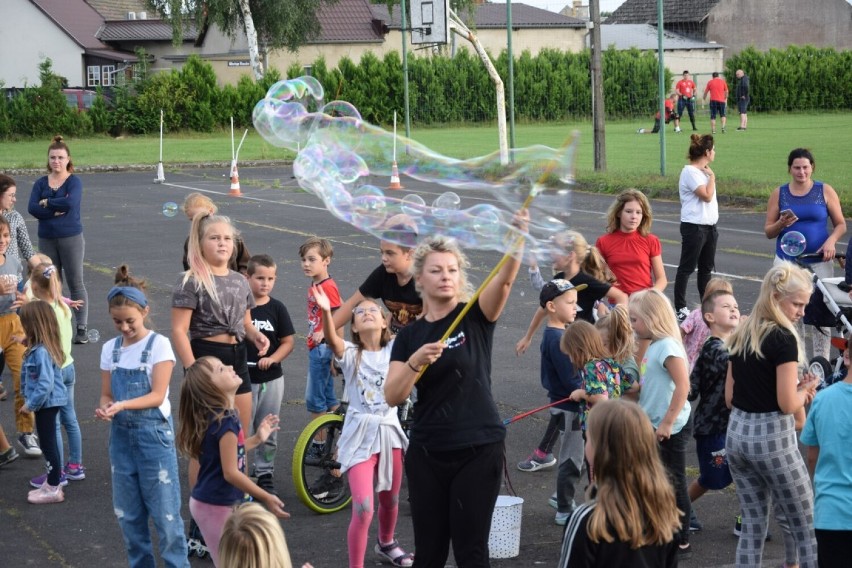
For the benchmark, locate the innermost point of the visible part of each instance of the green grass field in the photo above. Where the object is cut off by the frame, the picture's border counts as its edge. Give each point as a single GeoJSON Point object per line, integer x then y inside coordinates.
{"type": "Point", "coordinates": [748, 164]}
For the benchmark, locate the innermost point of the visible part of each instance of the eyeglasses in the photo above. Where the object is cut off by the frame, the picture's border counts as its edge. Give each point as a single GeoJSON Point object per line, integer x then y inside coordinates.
{"type": "Point", "coordinates": [362, 311]}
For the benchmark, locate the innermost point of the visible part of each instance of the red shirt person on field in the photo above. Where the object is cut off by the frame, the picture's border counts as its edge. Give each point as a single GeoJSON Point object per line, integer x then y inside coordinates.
{"type": "Point", "coordinates": [718, 89]}
{"type": "Point", "coordinates": [686, 89]}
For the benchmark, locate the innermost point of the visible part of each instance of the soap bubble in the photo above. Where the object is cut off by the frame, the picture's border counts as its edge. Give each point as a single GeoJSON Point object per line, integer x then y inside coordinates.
{"type": "Point", "coordinates": [340, 156]}
{"type": "Point", "coordinates": [793, 243]}
{"type": "Point", "coordinates": [170, 208]}
{"type": "Point", "coordinates": [94, 335]}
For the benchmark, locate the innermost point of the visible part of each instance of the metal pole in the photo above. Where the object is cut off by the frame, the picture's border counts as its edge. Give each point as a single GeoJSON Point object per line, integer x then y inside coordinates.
{"type": "Point", "coordinates": [405, 68]}
{"type": "Point", "coordinates": [597, 87]}
{"type": "Point", "coordinates": [511, 74]}
{"type": "Point", "coordinates": [661, 78]}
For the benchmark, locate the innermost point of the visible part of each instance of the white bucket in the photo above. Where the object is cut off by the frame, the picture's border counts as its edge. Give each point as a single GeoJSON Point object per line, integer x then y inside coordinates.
{"type": "Point", "coordinates": [504, 540]}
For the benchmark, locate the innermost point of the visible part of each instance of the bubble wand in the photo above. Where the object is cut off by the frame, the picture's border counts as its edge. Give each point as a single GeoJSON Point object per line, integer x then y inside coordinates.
{"type": "Point", "coordinates": [534, 191]}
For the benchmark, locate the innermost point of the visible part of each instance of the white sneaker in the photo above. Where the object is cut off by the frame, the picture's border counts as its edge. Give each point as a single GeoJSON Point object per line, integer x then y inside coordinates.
{"type": "Point", "coordinates": [678, 129]}
{"type": "Point", "coordinates": [640, 131]}
{"type": "Point", "coordinates": [29, 443]}
{"type": "Point", "coordinates": [682, 314]}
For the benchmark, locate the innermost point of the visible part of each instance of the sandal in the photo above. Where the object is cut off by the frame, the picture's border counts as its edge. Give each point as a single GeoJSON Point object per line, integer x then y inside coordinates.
{"type": "Point", "coordinates": [394, 554]}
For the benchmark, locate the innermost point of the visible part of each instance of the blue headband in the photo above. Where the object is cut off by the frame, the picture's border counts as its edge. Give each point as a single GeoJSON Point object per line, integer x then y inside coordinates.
{"type": "Point", "coordinates": [129, 292]}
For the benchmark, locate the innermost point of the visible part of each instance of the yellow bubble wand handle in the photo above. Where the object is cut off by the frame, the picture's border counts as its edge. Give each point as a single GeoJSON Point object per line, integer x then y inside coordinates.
{"type": "Point", "coordinates": [535, 190]}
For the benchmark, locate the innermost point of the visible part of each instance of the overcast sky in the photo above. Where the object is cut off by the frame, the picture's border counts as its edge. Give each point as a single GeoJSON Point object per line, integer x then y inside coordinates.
{"type": "Point", "coordinates": [556, 5]}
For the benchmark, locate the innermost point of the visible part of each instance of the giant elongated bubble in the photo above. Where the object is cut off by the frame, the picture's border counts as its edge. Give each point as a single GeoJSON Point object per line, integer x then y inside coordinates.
{"type": "Point", "coordinates": [338, 152]}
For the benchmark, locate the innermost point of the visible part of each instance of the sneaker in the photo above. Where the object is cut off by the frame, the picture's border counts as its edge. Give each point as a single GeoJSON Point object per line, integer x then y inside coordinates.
{"type": "Point", "coordinates": [3, 394]}
{"type": "Point", "coordinates": [74, 471]}
{"type": "Point", "coordinates": [677, 130]}
{"type": "Point", "coordinates": [394, 554]}
{"type": "Point", "coordinates": [561, 519]}
{"type": "Point", "coordinates": [640, 131]}
{"type": "Point", "coordinates": [724, 130]}
{"type": "Point", "coordinates": [712, 132]}
{"type": "Point", "coordinates": [8, 456]}
{"type": "Point", "coordinates": [740, 128]}
{"type": "Point", "coordinates": [694, 524]}
{"type": "Point", "coordinates": [552, 501]}
{"type": "Point", "coordinates": [536, 462]}
{"type": "Point", "coordinates": [46, 494]}
{"type": "Point", "coordinates": [82, 336]}
{"type": "Point", "coordinates": [29, 442]}
{"type": "Point", "coordinates": [265, 482]}
{"type": "Point", "coordinates": [682, 314]}
{"type": "Point", "coordinates": [40, 480]}
{"type": "Point", "coordinates": [327, 487]}
{"type": "Point", "coordinates": [684, 551]}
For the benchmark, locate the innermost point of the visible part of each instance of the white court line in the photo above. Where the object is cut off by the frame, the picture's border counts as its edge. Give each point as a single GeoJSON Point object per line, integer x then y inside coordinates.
{"type": "Point", "coordinates": [732, 276]}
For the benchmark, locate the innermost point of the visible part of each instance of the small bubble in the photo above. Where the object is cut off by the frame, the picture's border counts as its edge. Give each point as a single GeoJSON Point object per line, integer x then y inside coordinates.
{"type": "Point", "coordinates": [94, 335]}
{"type": "Point", "coordinates": [170, 209]}
{"type": "Point", "coordinates": [522, 293]}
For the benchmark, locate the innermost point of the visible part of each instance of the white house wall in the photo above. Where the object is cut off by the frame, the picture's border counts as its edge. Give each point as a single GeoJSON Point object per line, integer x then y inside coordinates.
{"type": "Point", "coordinates": [29, 37]}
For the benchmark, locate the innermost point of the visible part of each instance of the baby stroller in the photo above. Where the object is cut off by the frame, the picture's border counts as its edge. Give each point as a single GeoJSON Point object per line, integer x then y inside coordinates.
{"type": "Point", "coordinates": [830, 306]}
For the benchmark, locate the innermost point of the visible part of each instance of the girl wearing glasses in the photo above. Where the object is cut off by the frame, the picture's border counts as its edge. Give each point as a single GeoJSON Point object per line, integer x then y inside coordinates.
{"type": "Point", "coordinates": [372, 441]}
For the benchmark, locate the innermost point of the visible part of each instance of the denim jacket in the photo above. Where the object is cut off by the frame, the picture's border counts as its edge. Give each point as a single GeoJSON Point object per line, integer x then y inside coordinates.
{"type": "Point", "coordinates": [42, 380]}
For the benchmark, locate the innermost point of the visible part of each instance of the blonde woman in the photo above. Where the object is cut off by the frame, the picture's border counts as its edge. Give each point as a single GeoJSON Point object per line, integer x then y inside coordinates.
{"type": "Point", "coordinates": [456, 452]}
{"type": "Point", "coordinates": [766, 398]}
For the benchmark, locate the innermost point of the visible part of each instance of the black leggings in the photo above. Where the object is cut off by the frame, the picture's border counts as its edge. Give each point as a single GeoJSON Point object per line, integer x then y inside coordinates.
{"type": "Point", "coordinates": [452, 496]}
{"type": "Point", "coordinates": [551, 434]}
{"type": "Point", "coordinates": [233, 354]}
{"type": "Point", "coordinates": [45, 420]}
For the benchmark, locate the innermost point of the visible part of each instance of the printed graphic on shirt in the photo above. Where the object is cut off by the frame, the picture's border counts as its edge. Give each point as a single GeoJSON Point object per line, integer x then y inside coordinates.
{"type": "Point", "coordinates": [263, 325]}
{"type": "Point", "coordinates": [402, 314]}
{"type": "Point", "coordinates": [455, 341]}
{"type": "Point", "coordinates": [371, 389]}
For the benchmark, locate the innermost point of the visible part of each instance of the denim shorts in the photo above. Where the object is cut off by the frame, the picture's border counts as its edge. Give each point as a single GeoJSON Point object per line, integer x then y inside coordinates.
{"type": "Point", "coordinates": [712, 462]}
{"type": "Point", "coordinates": [319, 392]}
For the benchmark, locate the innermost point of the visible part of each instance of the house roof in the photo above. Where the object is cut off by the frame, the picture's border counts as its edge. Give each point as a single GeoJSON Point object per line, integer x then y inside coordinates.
{"type": "Point", "coordinates": [644, 37]}
{"type": "Point", "coordinates": [76, 18]}
{"type": "Point", "coordinates": [347, 21]}
{"type": "Point", "coordinates": [491, 16]}
{"type": "Point", "coordinates": [142, 30]}
{"type": "Point", "coordinates": [674, 11]}
{"type": "Point", "coordinates": [118, 9]}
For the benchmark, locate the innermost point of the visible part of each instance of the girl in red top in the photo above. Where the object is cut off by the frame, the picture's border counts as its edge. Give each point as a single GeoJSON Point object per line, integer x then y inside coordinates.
{"type": "Point", "coordinates": [630, 250]}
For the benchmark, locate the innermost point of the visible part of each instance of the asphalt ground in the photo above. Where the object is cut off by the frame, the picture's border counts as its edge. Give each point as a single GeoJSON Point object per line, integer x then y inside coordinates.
{"type": "Point", "coordinates": [124, 222]}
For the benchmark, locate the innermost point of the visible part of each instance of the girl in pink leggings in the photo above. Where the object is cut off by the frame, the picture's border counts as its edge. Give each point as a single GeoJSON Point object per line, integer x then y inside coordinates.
{"type": "Point", "coordinates": [372, 440]}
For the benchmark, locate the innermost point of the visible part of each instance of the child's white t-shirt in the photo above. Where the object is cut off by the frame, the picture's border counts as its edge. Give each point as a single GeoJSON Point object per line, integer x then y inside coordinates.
{"type": "Point", "coordinates": [131, 356]}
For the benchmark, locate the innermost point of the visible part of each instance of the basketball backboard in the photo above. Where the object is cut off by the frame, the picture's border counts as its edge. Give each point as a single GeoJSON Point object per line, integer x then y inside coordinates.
{"type": "Point", "coordinates": [430, 21]}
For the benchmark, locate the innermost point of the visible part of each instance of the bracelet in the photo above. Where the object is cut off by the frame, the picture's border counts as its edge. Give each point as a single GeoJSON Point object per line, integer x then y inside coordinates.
{"type": "Point", "coordinates": [412, 367]}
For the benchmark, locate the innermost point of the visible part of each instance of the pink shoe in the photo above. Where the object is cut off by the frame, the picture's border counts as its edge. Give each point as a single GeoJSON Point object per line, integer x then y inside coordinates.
{"type": "Point", "coordinates": [46, 494]}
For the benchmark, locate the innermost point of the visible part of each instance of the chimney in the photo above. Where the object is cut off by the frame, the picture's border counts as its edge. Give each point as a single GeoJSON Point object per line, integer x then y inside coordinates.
{"type": "Point", "coordinates": [131, 15]}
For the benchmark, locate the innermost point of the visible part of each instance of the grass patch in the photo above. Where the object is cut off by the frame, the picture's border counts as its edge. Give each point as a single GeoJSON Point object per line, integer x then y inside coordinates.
{"type": "Point", "coordinates": [748, 164]}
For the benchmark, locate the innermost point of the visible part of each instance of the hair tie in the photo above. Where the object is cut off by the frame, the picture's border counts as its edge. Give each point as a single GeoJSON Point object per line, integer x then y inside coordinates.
{"type": "Point", "coordinates": [130, 292]}
{"type": "Point", "coordinates": [49, 271]}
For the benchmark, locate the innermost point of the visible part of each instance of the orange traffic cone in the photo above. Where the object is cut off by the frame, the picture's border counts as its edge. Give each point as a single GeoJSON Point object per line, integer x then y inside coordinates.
{"type": "Point", "coordinates": [235, 181]}
{"type": "Point", "coordinates": [394, 182]}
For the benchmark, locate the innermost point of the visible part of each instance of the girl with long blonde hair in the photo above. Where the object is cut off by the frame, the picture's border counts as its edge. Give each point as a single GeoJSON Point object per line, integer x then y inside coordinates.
{"type": "Point", "coordinates": [631, 518]}
{"type": "Point", "coordinates": [767, 398]}
{"type": "Point", "coordinates": [665, 387]}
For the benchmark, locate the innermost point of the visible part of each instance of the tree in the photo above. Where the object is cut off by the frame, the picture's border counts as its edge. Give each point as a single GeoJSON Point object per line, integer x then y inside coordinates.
{"type": "Point", "coordinates": [273, 24]}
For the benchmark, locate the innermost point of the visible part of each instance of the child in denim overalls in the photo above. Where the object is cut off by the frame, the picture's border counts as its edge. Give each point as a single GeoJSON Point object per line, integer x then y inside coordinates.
{"type": "Point", "coordinates": [136, 368]}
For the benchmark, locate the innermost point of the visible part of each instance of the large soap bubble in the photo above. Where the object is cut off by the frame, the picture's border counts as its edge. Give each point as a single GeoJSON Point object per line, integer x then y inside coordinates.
{"type": "Point", "coordinates": [338, 152]}
{"type": "Point", "coordinates": [793, 243]}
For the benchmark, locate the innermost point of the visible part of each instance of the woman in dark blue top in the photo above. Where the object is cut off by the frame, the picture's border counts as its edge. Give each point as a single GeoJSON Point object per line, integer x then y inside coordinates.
{"type": "Point", "coordinates": [805, 205]}
{"type": "Point", "coordinates": [55, 202]}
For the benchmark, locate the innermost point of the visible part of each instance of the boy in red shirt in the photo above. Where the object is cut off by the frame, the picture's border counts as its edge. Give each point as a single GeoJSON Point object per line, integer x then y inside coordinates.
{"type": "Point", "coordinates": [670, 114]}
{"type": "Point", "coordinates": [718, 89]}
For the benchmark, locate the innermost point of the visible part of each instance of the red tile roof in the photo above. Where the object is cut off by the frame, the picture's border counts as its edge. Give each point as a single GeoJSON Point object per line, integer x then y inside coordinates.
{"type": "Point", "coordinates": [347, 21]}
{"type": "Point", "coordinates": [76, 18]}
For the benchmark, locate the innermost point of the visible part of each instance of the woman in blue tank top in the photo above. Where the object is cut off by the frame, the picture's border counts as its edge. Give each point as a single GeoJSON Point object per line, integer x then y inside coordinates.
{"type": "Point", "coordinates": [804, 205]}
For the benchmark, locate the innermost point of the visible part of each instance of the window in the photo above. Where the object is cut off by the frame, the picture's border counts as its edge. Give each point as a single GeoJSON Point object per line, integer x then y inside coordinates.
{"type": "Point", "coordinates": [93, 75]}
{"type": "Point", "coordinates": [108, 74]}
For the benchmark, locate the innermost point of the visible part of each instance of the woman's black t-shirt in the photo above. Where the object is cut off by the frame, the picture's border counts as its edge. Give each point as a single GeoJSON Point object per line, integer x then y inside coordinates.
{"type": "Point", "coordinates": [755, 378]}
{"type": "Point", "coordinates": [455, 408]}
